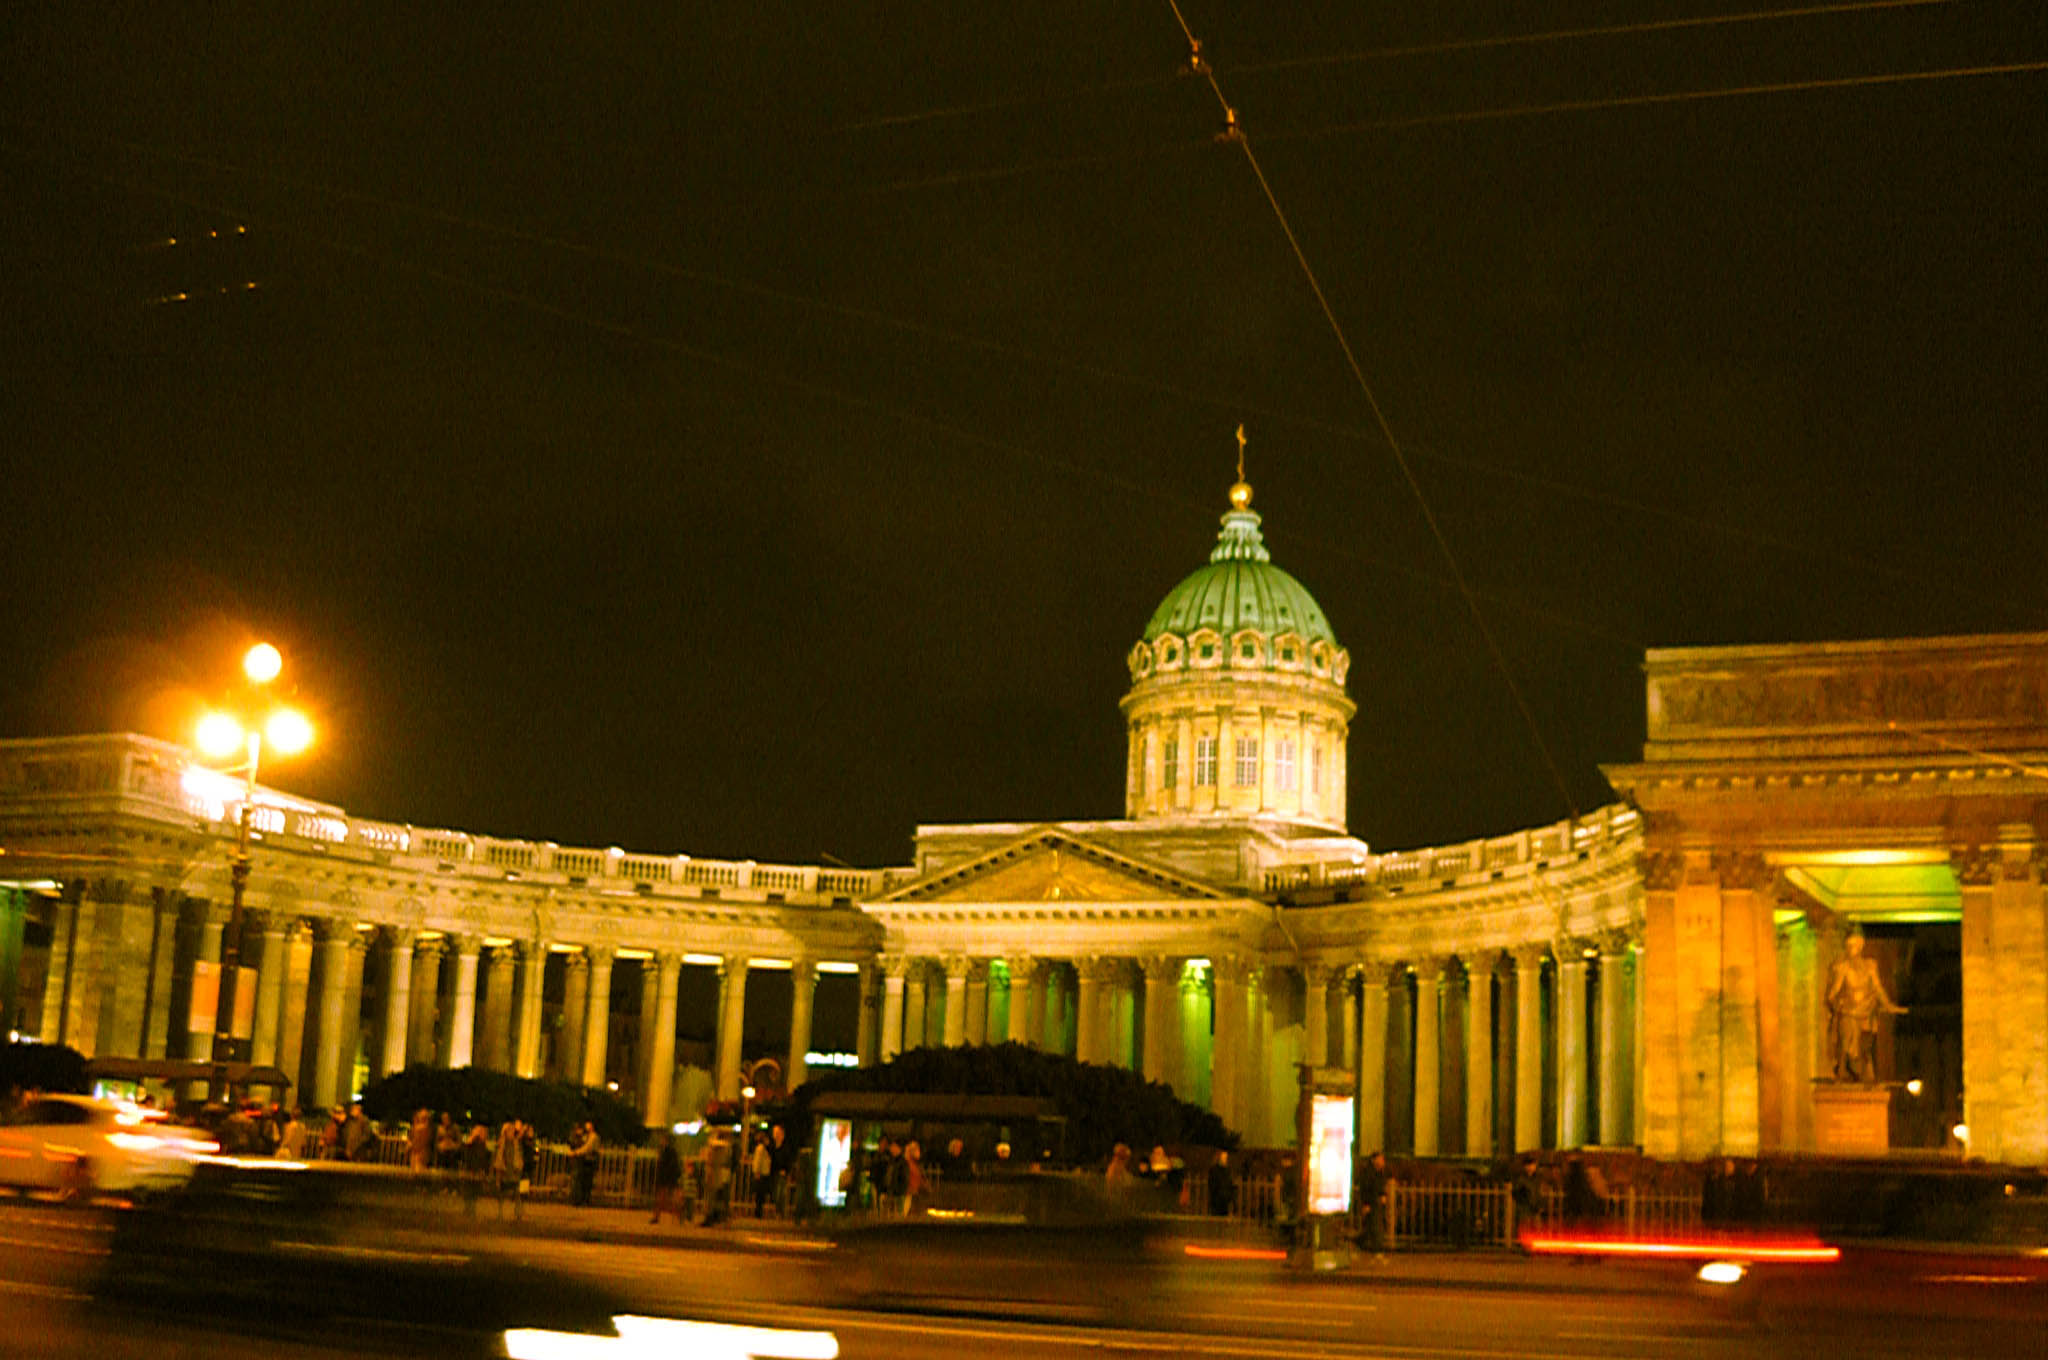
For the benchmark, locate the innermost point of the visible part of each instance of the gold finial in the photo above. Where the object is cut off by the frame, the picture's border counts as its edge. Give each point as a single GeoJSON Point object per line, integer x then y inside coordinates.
{"type": "Point", "coordinates": [1241, 492]}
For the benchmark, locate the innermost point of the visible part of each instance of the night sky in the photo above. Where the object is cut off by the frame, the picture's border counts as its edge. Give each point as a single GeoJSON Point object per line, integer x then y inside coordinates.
{"type": "Point", "coordinates": [753, 430]}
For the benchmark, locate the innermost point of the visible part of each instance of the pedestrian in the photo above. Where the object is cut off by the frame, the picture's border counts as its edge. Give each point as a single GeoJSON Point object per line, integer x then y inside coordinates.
{"type": "Point", "coordinates": [668, 1180]}
{"type": "Point", "coordinates": [358, 1139]}
{"type": "Point", "coordinates": [1222, 1185]}
{"type": "Point", "coordinates": [505, 1165]}
{"type": "Point", "coordinates": [896, 1178]}
{"type": "Point", "coordinates": [1372, 1202]}
{"type": "Point", "coordinates": [291, 1139]}
{"type": "Point", "coordinates": [1116, 1177]}
{"type": "Point", "coordinates": [447, 1145]}
{"type": "Point", "coordinates": [330, 1137]}
{"type": "Point", "coordinates": [913, 1174]}
{"type": "Point", "coordinates": [761, 1167]}
{"type": "Point", "coordinates": [782, 1156]}
{"type": "Point", "coordinates": [419, 1141]}
{"type": "Point", "coordinates": [583, 1153]}
{"type": "Point", "coordinates": [1585, 1194]}
{"type": "Point", "coordinates": [1525, 1190]}
{"type": "Point", "coordinates": [269, 1131]}
{"type": "Point", "coordinates": [476, 1166]}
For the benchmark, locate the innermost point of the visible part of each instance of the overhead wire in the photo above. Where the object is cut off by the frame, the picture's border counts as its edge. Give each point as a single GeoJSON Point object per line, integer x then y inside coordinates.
{"type": "Point", "coordinates": [1224, 403]}
{"type": "Point", "coordinates": [1234, 133]}
{"type": "Point", "coordinates": [809, 386]}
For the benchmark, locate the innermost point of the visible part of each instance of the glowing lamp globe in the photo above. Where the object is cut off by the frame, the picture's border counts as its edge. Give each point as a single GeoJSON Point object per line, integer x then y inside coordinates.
{"type": "Point", "coordinates": [219, 735]}
{"type": "Point", "coordinates": [288, 732]}
{"type": "Point", "coordinates": [262, 663]}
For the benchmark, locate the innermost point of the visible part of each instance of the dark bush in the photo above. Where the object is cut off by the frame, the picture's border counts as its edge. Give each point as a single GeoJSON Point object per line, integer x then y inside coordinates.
{"type": "Point", "coordinates": [42, 1067]}
{"type": "Point", "coordinates": [472, 1095]}
{"type": "Point", "coordinates": [1103, 1105]}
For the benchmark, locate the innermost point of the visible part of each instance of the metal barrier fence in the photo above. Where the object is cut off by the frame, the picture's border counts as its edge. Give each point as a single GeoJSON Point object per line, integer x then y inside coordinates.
{"type": "Point", "coordinates": [1452, 1215]}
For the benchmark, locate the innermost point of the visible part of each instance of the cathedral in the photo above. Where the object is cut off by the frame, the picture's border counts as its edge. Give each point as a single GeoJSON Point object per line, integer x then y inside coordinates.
{"type": "Point", "coordinates": [1652, 974]}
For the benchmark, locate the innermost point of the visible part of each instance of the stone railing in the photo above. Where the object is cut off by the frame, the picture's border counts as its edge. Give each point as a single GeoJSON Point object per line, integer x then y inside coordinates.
{"type": "Point", "coordinates": [158, 778]}
{"type": "Point", "coordinates": [1467, 861]}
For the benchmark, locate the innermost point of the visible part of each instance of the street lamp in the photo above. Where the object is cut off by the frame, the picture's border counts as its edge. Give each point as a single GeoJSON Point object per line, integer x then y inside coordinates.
{"type": "Point", "coordinates": [222, 734]}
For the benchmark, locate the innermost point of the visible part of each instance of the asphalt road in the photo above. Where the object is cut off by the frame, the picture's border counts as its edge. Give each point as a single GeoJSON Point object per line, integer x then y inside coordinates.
{"type": "Point", "coordinates": [1886, 1304]}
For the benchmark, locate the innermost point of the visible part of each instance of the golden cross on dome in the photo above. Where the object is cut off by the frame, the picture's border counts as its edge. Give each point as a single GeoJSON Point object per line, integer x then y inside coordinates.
{"type": "Point", "coordinates": [1241, 492]}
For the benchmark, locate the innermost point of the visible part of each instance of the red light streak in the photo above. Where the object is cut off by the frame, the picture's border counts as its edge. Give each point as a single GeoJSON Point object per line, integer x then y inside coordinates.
{"type": "Point", "coordinates": [1733, 1249]}
{"type": "Point", "coordinates": [1203, 1253]}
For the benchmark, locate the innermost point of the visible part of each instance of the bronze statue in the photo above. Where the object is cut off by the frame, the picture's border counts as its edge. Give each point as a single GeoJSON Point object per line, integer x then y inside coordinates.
{"type": "Point", "coordinates": [1856, 997]}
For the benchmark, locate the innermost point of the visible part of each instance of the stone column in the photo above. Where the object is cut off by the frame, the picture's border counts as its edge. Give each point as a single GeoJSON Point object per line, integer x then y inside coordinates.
{"type": "Point", "coordinates": [643, 1042]}
{"type": "Point", "coordinates": [1255, 1090]}
{"type": "Point", "coordinates": [1428, 1055]}
{"type": "Point", "coordinates": [732, 1019]}
{"type": "Point", "coordinates": [1529, 1047]}
{"type": "Point", "coordinates": [426, 995]}
{"type": "Point", "coordinates": [291, 1037]}
{"type": "Point", "coordinates": [866, 1033]}
{"type": "Point", "coordinates": [568, 1061]}
{"type": "Point", "coordinates": [977, 1001]}
{"type": "Point", "coordinates": [1799, 1037]}
{"type": "Point", "coordinates": [459, 1050]}
{"type": "Point", "coordinates": [162, 968]}
{"type": "Point", "coordinates": [913, 1005]}
{"type": "Point", "coordinates": [892, 1007]}
{"type": "Point", "coordinates": [352, 1012]}
{"type": "Point", "coordinates": [661, 1052]}
{"type": "Point", "coordinates": [1349, 1039]}
{"type": "Point", "coordinates": [1088, 1044]}
{"type": "Point", "coordinates": [205, 980]}
{"type": "Point", "coordinates": [1315, 989]}
{"type": "Point", "coordinates": [1225, 1052]}
{"type": "Point", "coordinates": [1162, 1010]}
{"type": "Point", "coordinates": [1479, 1055]}
{"type": "Point", "coordinates": [1372, 1057]}
{"type": "Point", "coordinates": [398, 947]}
{"type": "Point", "coordinates": [270, 978]}
{"type": "Point", "coordinates": [1617, 1121]}
{"type": "Point", "coordinates": [1192, 1025]}
{"type": "Point", "coordinates": [956, 1001]}
{"type": "Point", "coordinates": [497, 1022]}
{"type": "Point", "coordinates": [2005, 999]}
{"type": "Point", "coordinates": [332, 941]}
{"type": "Point", "coordinates": [70, 942]}
{"type": "Point", "coordinates": [1570, 1012]}
{"type": "Point", "coordinates": [533, 962]}
{"type": "Point", "coordinates": [597, 1015]}
{"type": "Point", "coordinates": [1025, 1001]}
{"type": "Point", "coordinates": [803, 982]}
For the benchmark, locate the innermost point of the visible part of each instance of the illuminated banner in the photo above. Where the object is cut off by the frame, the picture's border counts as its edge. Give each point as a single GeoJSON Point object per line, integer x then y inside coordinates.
{"type": "Point", "coordinates": [205, 1009]}
{"type": "Point", "coordinates": [1329, 1155]}
{"type": "Point", "coordinates": [835, 1153]}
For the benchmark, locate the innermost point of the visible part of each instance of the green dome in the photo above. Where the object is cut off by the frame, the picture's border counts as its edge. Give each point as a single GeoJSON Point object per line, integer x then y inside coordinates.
{"type": "Point", "coordinates": [1239, 589]}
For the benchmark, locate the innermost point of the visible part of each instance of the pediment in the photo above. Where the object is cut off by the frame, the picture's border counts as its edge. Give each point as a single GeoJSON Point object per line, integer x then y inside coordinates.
{"type": "Point", "coordinates": [1054, 866]}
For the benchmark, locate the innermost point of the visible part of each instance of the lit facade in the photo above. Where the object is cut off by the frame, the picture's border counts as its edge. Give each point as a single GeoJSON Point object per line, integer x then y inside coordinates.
{"type": "Point", "coordinates": [1645, 975]}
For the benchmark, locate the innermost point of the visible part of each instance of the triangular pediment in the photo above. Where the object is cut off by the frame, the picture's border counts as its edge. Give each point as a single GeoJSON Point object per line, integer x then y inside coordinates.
{"type": "Point", "coordinates": [1049, 865]}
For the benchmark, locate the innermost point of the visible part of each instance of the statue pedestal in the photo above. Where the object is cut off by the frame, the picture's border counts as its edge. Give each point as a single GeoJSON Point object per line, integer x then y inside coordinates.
{"type": "Point", "coordinates": [1851, 1119]}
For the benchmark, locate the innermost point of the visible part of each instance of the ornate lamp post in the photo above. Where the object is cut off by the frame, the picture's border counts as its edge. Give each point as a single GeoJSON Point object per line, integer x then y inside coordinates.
{"type": "Point", "coordinates": [222, 734]}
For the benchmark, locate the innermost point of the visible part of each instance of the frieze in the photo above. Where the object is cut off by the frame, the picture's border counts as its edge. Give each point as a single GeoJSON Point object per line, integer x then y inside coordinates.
{"type": "Point", "coordinates": [2006, 692]}
{"type": "Point", "coordinates": [1662, 870]}
{"type": "Point", "coordinates": [1975, 866]}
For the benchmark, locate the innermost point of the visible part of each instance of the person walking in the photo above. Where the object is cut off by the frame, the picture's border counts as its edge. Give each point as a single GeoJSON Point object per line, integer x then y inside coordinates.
{"type": "Point", "coordinates": [419, 1141]}
{"type": "Point", "coordinates": [668, 1180]}
{"type": "Point", "coordinates": [761, 1167]}
{"type": "Point", "coordinates": [447, 1145]}
{"type": "Point", "coordinates": [583, 1151]}
{"type": "Point", "coordinates": [476, 1166]}
{"type": "Point", "coordinates": [291, 1139]}
{"type": "Point", "coordinates": [1372, 1202]}
{"type": "Point", "coordinates": [913, 1174]}
{"type": "Point", "coordinates": [1222, 1186]}
{"type": "Point", "coordinates": [358, 1139]}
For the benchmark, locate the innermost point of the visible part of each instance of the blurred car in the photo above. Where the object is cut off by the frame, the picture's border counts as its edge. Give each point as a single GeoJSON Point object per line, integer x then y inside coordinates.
{"type": "Point", "coordinates": [78, 1145]}
{"type": "Point", "coordinates": [1035, 1243]}
{"type": "Point", "coordinates": [387, 1258]}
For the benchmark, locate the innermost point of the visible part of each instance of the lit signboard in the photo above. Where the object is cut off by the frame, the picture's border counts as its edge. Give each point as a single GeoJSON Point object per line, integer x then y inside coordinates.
{"type": "Point", "coordinates": [835, 1153]}
{"type": "Point", "coordinates": [1329, 1154]}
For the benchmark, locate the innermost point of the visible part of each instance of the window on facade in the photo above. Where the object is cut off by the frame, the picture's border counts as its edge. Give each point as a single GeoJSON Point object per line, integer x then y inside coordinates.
{"type": "Point", "coordinates": [1208, 650]}
{"type": "Point", "coordinates": [1283, 765]}
{"type": "Point", "coordinates": [1247, 762]}
{"type": "Point", "coordinates": [1287, 654]}
{"type": "Point", "coordinates": [1315, 768]}
{"type": "Point", "coordinates": [1145, 764]}
{"type": "Point", "coordinates": [1205, 761]}
{"type": "Point", "coordinates": [1169, 772]}
{"type": "Point", "coordinates": [1248, 651]}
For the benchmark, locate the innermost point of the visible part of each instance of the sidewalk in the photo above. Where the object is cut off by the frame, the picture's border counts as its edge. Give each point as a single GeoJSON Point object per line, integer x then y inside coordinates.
{"type": "Point", "coordinates": [630, 1227]}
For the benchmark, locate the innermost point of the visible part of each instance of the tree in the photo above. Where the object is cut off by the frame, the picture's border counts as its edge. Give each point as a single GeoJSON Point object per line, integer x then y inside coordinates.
{"type": "Point", "coordinates": [474, 1095]}
{"type": "Point", "coordinates": [42, 1067]}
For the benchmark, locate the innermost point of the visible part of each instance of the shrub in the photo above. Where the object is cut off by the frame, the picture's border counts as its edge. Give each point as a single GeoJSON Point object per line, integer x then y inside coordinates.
{"type": "Point", "coordinates": [42, 1067]}
{"type": "Point", "coordinates": [474, 1095]}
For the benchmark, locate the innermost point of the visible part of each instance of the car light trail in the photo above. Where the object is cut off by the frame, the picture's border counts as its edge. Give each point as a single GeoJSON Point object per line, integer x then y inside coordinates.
{"type": "Point", "coordinates": [1202, 1253]}
{"type": "Point", "coordinates": [644, 1338]}
{"type": "Point", "coordinates": [1732, 1249]}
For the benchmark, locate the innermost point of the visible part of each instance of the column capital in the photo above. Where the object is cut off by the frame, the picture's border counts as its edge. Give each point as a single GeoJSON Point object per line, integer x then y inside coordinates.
{"type": "Point", "coordinates": [1482, 962]}
{"type": "Point", "coordinates": [1381, 973]}
{"type": "Point", "coordinates": [668, 963]}
{"type": "Point", "coordinates": [955, 965]}
{"type": "Point", "coordinates": [1164, 967]}
{"type": "Point", "coordinates": [730, 965]}
{"type": "Point", "coordinates": [1741, 870]}
{"type": "Point", "coordinates": [1430, 967]}
{"type": "Point", "coordinates": [466, 946]}
{"type": "Point", "coordinates": [600, 953]}
{"type": "Point", "coordinates": [895, 966]}
{"type": "Point", "coordinates": [1662, 870]}
{"type": "Point", "coordinates": [576, 961]}
{"type": "Point", "coordinates": [1021, 966]}
{"type": "Point", "coordinates": [803, 966]}
{"type": "Point", "coordinates": [398, 937]}
{"type": "Point", "coordinates": [1530, 957]}
{"type": "Point", "coordinates": [1615, 943]}
{"type": "Point", "coordinates": [328, 929]}
{"type": "Point", "coordinates": [256, 921]}
{"type": "Point", "coordinates": [1317, 972]}
{"type": "Point", "coordinates": [1976, 866]}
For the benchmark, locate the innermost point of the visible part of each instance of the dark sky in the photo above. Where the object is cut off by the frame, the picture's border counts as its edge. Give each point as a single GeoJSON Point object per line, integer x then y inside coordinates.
{"type": "Point", "coordinates": [755, 429]}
